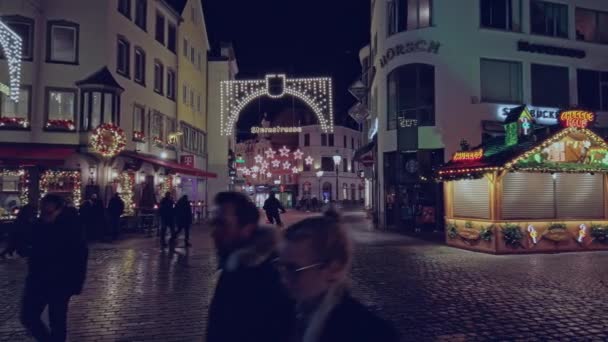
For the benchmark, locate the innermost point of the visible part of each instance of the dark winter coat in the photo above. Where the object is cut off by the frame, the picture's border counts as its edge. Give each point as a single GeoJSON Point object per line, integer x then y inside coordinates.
{"type": "Point", "coordinates": [116, 207]}
{"type": "Point", "coordinates": [250, 303]}
{"type": "Point", "coordinates": [351, 321]}
{"type": "Point", "coordinates": [183, 213]}
{"type": "Point", "coordinates": [272, 205]}
{"type": "Point", "coordinates": [58, 255]}
{"type": "Point", "coordinates": [165, 209]}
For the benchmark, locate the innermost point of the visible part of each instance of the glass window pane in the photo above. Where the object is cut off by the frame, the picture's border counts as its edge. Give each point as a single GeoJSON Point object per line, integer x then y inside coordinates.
{"type": "Point", "coordinates": [412, 14]}
{"type": "Point", "coordinates": [24, 30]}
{"type": "Point", "coordinates": [12, 109]}
{"type": "Point", "coordinates": [61, 105]}
{"type": "Point", "coordinates": [586, 25]}
{"type": "Point", "coordinates": [602, 32]}
{"type": "Point", "coordinates": [501, 81]}
{"type": "Point", "coordinates": [85, 115]}
{"type": "Point", "coordinates": [96, 110]}
{"type": "Point", "coordinates": [424, 8]}
{"type": "Point", "coordinates": [108, 108]}
{"type": "Point", "coordinates": [550, 86]}
{"type": "Point", "coordinates": [63, 42]}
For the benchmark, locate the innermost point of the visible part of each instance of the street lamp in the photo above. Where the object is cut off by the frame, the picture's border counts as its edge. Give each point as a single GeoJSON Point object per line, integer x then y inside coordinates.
{"type": "Point", "coordinates": [319, 176]}
{"type": "Point", "coordinates": [337, 160]}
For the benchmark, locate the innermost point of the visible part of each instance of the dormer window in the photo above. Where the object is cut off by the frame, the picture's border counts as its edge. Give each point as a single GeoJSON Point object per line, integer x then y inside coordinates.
{"type": "Point", "coordinates": [99, 100]}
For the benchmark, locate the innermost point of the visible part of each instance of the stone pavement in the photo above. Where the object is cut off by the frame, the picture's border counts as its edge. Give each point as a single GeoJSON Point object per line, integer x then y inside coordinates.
{"type": "Point", "coordinates": [134, 292]}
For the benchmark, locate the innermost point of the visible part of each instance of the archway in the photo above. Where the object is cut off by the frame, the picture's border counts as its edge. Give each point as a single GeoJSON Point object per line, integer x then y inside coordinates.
{"type": "Point", "coordinates": [327, 194]}
{"type": "Point", "coordinates": [317, 93]}
{"type": "Point", "coordinates": [11, 46]}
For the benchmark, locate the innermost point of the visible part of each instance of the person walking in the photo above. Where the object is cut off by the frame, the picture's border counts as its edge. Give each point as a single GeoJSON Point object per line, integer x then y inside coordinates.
{"type": "Point", "coordinates": [314, 262]}
{"type": "Point", "coordinates": [167, 217]}
{"type": "Point", "coordinates": [57, 265]}
{"type": "Point", "coordinates": [116, 207]}
{"type": "Point", "coordinates": [183, 219]}
{"type": "Point", "coordinates": [21, 227]}
{"type": "Point", "coordinates": [249, 303]}
{"type": "Point", "coordinates": [272, 206]}
{"type": "Point", "coordinates": [98, 217]}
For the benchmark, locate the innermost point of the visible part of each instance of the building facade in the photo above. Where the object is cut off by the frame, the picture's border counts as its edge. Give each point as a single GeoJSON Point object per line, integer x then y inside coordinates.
{"type": "Point", "coordinates": [441, 77]}
{"type": "Point", "coordinates": [89, 63]}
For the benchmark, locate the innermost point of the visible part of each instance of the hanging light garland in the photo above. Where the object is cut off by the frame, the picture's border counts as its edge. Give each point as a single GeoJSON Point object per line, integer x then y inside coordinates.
{"type": "Point", "coordinates": [108, 140]}
{"type": "Point", "coordinates": [285, 162]}
{"type": "Point", "coordinates": [24, 181]}
{"type": "Point", "coordinates": [127, 181]}
{"type": "Point", "coordinates": [50, 177]}
{"type": "Point", "coordinates": [11, 45]}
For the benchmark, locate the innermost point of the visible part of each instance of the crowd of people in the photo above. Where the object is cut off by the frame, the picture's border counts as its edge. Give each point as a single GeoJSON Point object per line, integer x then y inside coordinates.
{"type": "Point", "coordinates": [275, 285]}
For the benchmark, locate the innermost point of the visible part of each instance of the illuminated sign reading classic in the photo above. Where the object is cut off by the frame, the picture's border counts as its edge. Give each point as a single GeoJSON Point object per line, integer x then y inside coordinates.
{"type": "Point", "coordinates": [468, 155]}
{"type": "Point", "coordinates": [576, 118]}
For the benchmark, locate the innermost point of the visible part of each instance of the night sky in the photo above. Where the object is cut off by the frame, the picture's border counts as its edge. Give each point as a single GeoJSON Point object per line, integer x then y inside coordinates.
{"type": "Point", "coordinates": [296, 37]}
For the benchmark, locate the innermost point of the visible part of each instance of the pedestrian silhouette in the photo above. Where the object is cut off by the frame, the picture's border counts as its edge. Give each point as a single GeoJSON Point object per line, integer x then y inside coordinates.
{"type": "Point", "coordinates": [167, 216]}
{"type": "Point", "coordinates": [272, 206]}
{"type": "Point", "coordinates": [21, 227]}
{"type": "Point", "coordinates": [57, 264]}
{"type": "Point", "coordinates": [183, 219]}
{"type": "Point", "coordinates": [116, 207]}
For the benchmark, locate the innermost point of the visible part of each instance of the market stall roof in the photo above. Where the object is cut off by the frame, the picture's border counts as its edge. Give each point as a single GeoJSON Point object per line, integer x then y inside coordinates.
{"type": "Point", "coordinates": [178, 168]}
{"type": "Point", "coordinates": [569, 149]}
{"type": "Point", "coordinates": [34, 154]}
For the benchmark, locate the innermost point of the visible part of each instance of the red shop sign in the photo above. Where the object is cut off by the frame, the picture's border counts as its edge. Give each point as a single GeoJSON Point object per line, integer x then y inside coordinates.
{"type": "Point", "coordinates": [187, 160]}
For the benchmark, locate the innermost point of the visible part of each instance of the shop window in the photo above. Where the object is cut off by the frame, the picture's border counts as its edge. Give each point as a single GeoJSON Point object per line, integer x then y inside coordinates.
{"type": "Point", "coordinates": [327, 164]}
{"type": "Point", "coordinates": [501, 14]}
{"type": "Point", "coordinates": [158, 77]}
{"type": "Point", "coordinates": [406, 15]}
{"type": "Point", "coordinates": [172, 38]}
{"type": "Point", "coordinates": [123, 59]}
{"type": "Point", "coordinates": [140, 66]}
{"type": "Point", "coordinates": [171, 84]}
{"type": "Point", "coordinates": [62, 46]}
{"type": "Point", "coordinates": [593, 89]}
{"type": "Point", "coordinates": [549, 18]}
{"type": "Point", "coordinates": [60, 109]}
{"type": "Point", "coordinates": [411, 94]}
{"type": "Point", "coordinates": [15, 114]}
{"type": "Point", "coordinates": [141, 13]}
{"type": "Point", "coordinates": [591, 26]}
{"type": "Point", "coordinates": [124, 7]}
{"type": "Point", "coordinates": [323, 139]}
{"type": "Point", "coordinates": [550, 86]}
{"type": "Point", "coordinates": [24, 27]}
{"type": "Point", "coordinates": [501, 81]}
{"type": "Point", "coordinates": [160, 28]}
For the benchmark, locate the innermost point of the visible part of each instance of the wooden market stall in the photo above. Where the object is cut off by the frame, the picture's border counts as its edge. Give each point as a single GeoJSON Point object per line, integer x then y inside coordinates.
{"type": "Point", "coordinates": [535, 189]}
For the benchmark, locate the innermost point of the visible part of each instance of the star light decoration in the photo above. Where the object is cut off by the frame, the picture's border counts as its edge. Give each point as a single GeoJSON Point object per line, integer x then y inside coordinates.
{"type": "Point", "coordinates": [270, 153]}
{"type": "Point", "coordinates": [11, 46]}
{"type": "Point", "coordinates": [309, 160]}
{"type": "Point", "coordinates": [258, 159]}
{"type": "Point", "coordinates": [286, 161]}
{"type": "Point", "coordinates": [298, 154]}
{"type": "Point", "coordinates": [276, 163]}
{"type": "Point", "coordinates": [286, 165]}
{"type": "Point", "coordinates": [315, 92]}
{"type": "Point", "coordinates": [284, 151]}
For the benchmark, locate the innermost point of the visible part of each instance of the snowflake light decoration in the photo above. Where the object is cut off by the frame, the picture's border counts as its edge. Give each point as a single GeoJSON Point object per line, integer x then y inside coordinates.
{"type": "Point", "coordinates": [309, 160]}
{"type": "Point", "coordinates": [258, 159]}
{"type": "Point", "coordinates": [270, 153]}
{"type": "Point", "coordinates": [276, 163]}
{"type": "Point", "coordinates": [298, 154]}
{"type": "Point", "coordinates": [284, 151]}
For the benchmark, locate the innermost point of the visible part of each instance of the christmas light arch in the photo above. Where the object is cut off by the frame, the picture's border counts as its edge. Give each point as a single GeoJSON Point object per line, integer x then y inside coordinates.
{"type": "Point", "coordinates": [316, 92]}
{"type": "Point", "coordinates": [11, 46]}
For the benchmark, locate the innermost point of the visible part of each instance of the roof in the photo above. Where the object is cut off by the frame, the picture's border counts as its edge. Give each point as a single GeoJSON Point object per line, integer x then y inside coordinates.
{"type": "Point", "coordinates": [101, 77]}
{"type": "Point", "coordinates": [514, 114]}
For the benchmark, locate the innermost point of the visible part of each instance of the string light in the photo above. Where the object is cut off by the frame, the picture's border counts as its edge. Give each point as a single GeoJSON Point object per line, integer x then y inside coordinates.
{"type": "Point", "coordinates": [11, 45]}
{"type": "Point", "coordinates": [53, 177]}
{"type": "Point", "coordinates": [108, 140]}
{"type": "Point", "coordinates": [23, 182]}
{"type": "Point", "coordinates": [317, 93]}
{"type": "Point", "coordinates": [126, 194]}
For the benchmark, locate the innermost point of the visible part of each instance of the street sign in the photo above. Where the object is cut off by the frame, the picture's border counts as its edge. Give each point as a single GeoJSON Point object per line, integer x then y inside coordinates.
{"type": "Point", "coordinates": [358, 90]}
{"type": "Point", "coordinates": [359, 112]}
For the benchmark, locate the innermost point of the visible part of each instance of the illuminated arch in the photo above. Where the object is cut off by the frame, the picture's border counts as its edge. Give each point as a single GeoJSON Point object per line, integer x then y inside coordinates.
{"type": "Point", "coordinates": [11, 45]}
{"type": "Point", "coordinates": [316, 92]}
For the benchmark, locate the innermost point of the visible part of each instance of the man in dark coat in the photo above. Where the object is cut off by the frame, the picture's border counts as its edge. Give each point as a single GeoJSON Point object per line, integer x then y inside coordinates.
{"type": "Point", "coordinates": [97, 218]}
{"type": "Point", "coordinates": [57, 269]}
{"type": "Point", "coordinates": [167, 217]}
{"type": "Point", "coordinates": [272, 206]}
{"type": "Point", "coordinates": [116, 207]}
{"type": "Point", "coordinates": [183, 219]}
{"type": "Point", "coordinates": [249, 304]}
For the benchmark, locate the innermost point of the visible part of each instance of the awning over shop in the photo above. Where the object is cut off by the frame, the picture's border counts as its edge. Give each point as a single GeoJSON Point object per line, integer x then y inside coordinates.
{"type": "Point", "coordinates": [34, 154]}
{"type": "Point", "coordinates": [365, 149]}
{"type": "Point", "coordinates": [173, 166]}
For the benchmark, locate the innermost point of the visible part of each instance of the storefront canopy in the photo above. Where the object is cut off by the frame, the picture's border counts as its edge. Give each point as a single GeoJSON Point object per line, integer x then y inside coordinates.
{"type": "Point", "coordinates": [173, 166]}
{"type": "Point", "coordinates": [34, 154]}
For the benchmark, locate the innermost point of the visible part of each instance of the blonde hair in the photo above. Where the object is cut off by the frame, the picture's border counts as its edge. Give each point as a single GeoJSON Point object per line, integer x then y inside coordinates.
{"type": "Point", "coordinates": [328, 238]}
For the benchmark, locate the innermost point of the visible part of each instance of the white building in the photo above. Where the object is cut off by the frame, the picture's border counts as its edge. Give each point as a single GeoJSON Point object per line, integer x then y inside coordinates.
{"type": "Point", "coordinates": [442, 71]}
{"type": "Point", "coordinates": [91, 62]}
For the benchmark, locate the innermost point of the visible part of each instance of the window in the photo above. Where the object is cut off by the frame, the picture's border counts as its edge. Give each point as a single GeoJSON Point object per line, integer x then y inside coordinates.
{"type": "Point", "coordinates": [307, 139]}
{"type": "Point", "coordinates": [198, 103]}
{"type": "Point", "coordinates": [593, 89]}
{"type": "Point", "coordinates": [331, 139]}
{"type": "Point", "coordinates": [411, 94]}
{"type": "Point", "coordinates": [160, 28]}
{"type": "Point", "coordinates": [501, 81]}
{"type": "Point", "coordinates": [344, 140]}
{"type": "Point", "coordinates": [327, 164]}
{"type": "Point", "coordinates": [406, 15]}
{"type": "Point", "coordinates": [97, 107]}
{"type": "Point", "coordinates": [185, 48]}
{"type": "Point", "coordinates": [501, 14]}
{"type": "Point", "coordinates": [353, 169]}
{"type": "Point", "coordinates": [158, 77]}
{"type": "Point", "coordinates": [550, 86]}
{"type": "Point", "coordinates": [345, 165]}
{"type": "Point", "coordinates": [352, 143]}
{"type": "Point", "coordinates": [60, 108]}
{"type": "Point", "coordinates": [323, 139]}
{"type": "Point", "coordinates": [192, 54]}
{"type": "Point", "coordinates": [141, 14]}
{"type": "Point", "coordinates": [171, 84]}
{"type": "Point", "coordinates": [185, 94]}
{"type": "Point", "coordinates": [191, 98]}
{"type": "Point", "coordinates": [62, 42]}
{"type": "Point", "coordinates": [200, 61]}
{"type": "Point", "coordinates": [158, 130]}
{"type": "Point", "coordinates": [139, 122]}
{"type": "Point", "coordinates": [16, 110]}
{"type": "Point", "coordinates": [123, 59]}
{"type": "Point", "coordinates": [591, 26]}
{"type": "Point", "coordinates": [307, 167]}
{"type": "Point", "coordinates": [549, 18]}
{"type": "Point", "coordinates": [172, 39]}
{"type": "Point", "coordinates": [140, 66]}
{"type": "Point", "coordinates": [124, 7]}
{"type": "Point", "coordinates": [24, 27]}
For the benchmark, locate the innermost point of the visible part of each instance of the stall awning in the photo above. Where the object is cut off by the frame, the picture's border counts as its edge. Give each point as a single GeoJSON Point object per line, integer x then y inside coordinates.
{"type": "Point", "coordinates": [34, 154]}
{"type": "Point", "coordinates": [178, 168]}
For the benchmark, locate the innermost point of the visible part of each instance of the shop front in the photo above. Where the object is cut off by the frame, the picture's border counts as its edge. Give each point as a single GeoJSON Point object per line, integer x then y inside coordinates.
{"type": "Point", "coordinates": [534, 190]}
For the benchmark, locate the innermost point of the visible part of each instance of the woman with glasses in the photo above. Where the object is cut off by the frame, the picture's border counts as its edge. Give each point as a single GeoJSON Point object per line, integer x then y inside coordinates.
{"type": "Point", "coordinates": [314, 262]}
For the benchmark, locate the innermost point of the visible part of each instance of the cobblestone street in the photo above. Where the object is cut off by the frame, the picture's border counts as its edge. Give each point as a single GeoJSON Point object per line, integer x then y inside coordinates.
{"type": "Point", "coordinates": [135, 292]}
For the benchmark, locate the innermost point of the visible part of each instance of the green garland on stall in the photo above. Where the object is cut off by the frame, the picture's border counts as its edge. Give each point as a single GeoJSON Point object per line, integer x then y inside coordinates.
{"type": "Point", "coordinates": [599, 233]}
{"type": "Point", "coordinates": [512, 235]}
{"type": "Point", "coordinates": [487, 233]}
{"type": "Point", "coordinates": [452, 230]}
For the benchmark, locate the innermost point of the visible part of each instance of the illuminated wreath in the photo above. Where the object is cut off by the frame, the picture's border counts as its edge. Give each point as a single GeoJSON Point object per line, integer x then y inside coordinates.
{"type": "Point", "coordinates": [108, 140]}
